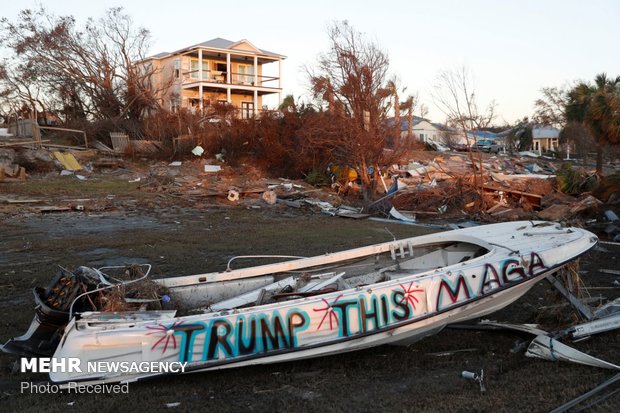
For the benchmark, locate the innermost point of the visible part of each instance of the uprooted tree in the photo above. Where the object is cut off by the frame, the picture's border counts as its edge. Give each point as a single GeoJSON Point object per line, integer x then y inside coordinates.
{"type": "Point", "coordinates": [350, 82]}
{"type": "Point", "coordinates": [80, 74]}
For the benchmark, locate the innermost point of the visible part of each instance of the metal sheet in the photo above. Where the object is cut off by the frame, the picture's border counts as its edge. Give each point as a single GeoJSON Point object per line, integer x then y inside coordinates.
{"type": "Point", "coordinates": [547, 348]}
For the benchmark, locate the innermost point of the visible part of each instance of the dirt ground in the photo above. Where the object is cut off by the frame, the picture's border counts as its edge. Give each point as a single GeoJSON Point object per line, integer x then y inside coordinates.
{"type": "Point", "coordinates": [184, 239]}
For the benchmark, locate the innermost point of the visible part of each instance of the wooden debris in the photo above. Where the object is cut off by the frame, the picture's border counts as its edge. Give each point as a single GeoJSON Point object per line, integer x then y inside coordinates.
{"type": "Point", "coordinates": [48, 209]}
{"type": "Point", "coordinates": [19, 176]}
{"type": "Point", "coordinates": [583, 309]}
{"type": "Point", "coordinates": [21, 143]}
{"type": "Point", "coordinates": [120, 142]}
{"type": "Point", "coordinates": [102, 147]}
{"type": "Point", "coordinates": [555, 212]}
{"type": "Point", "coordinates": [22, 201]}
{"type": "Point", "coordinates": [533, 199]}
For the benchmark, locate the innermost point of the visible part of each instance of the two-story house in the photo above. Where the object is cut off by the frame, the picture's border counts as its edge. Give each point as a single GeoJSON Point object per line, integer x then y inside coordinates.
{"type": "Point", "coordinates": [218, 70]}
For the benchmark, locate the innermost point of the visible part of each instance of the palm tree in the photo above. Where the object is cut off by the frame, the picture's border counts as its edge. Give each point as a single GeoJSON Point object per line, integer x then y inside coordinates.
{"type": "Point", "coordinates": [288, 104]}
{"type": "Point", "coordinates": [597, 106]}
{"type": "Point", "coordinates": [408, 106]}
{"type": "Point", "coordinates": [392, 88]}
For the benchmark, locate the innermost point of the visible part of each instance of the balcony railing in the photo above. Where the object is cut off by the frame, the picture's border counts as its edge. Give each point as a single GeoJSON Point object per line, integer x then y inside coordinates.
{"type": "Point", "coordinates": [238, 112]}
{"type": "Point", "coordinates": [217, 76]}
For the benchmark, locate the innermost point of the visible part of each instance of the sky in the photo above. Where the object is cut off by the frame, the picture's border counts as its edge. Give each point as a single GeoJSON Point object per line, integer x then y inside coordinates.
{"type": "Point", "coordinates": [512, 48]}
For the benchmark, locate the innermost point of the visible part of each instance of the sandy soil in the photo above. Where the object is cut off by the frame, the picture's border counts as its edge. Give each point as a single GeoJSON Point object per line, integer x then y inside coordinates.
{"type": "Point", "coordinates": [185, 240]}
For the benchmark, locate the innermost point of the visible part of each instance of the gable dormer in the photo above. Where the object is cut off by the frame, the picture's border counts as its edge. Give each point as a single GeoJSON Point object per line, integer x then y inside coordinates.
{"type": "Point", "coordinates": [245, 46]}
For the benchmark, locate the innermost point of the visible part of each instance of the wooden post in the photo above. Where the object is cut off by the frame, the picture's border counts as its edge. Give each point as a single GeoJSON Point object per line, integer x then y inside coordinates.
{"type": "Point", "coordinates": [36, 134]}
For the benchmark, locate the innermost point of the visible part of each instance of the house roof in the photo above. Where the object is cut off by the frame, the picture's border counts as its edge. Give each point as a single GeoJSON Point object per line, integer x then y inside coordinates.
{"type": "Point", "coordinates": [219, 43]}
{"type": "Point", "coordinates": [442, 127]}
{"type": "Point", "coordinates": [539, 132]}
{"type": "Point", "coordinates": [404, 123]}
{"type": "Point", "coordinates": [160, 55]}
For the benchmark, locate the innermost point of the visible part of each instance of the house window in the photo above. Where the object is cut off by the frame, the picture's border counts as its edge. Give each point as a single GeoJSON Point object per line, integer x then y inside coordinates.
{"type": "Point", "coordinates": [246, 74]}
{"type": "Point", "coordinates": [247, 110]}
{"type": "Point", "coordinates": [194, 69]}
{"type": "Point", "coordinates": [177, 68]}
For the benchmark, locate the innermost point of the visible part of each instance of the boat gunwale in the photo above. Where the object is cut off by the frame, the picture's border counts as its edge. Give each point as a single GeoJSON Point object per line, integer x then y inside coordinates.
{"type": "Point", "coordinates": [327, 258]}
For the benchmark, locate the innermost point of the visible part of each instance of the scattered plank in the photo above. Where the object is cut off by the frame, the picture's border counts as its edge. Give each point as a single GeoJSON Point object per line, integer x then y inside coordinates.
{"type": "Point", "coordinates": [567, 406]}
{"type": "Point", "coordinates": [48, 209]}
{"type": "Point", "coordinates": [605, 271]}
{"type": "Point", "coordinates": [584, 310]}
{"type": "Point", "coordinates": [22, 201]}
{"type": "Point", "coordinates": [22, 143]}
{"type": "Point", "coordinates": [533, 199]}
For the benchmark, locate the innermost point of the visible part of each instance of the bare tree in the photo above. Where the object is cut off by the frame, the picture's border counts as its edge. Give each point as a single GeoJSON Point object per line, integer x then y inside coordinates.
{"type": "Point", "coordinates": [450, 139]}
{"type": "Point", "coordinates": [351, 77]}
{"type": "Point", "coordinates": [18, 90]}
{"type": "Point", "coordinates": [550, 108]}
{"type": "Point", "coordinates": [456, 97]}
{"type": "Point", "coordinates": [95, 71]}
{"type": "Point", "coordinates": [423, 110]}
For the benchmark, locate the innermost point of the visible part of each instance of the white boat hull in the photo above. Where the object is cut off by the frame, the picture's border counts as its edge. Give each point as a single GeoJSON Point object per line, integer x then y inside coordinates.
{"type": "Point", "coordinates": [400, 310]}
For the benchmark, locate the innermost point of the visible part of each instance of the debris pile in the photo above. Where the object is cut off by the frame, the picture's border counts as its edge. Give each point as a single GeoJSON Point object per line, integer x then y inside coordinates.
{"type": "Point", "coordinates": [426, 187]}
{"type": "Point", "coordinates": [511, 188]}
{"type": "Point", "coordinates": [9, 170]}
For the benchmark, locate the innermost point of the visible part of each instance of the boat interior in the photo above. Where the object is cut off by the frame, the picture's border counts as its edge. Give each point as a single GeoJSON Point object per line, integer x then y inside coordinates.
{"type": "Point", "coordinates": [397, 263]}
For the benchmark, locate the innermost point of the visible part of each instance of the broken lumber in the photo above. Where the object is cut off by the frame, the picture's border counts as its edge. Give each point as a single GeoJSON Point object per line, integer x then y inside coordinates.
{"type": "Point", "coordinates": [584, 310]}
{"type": "Point", "coordinates": [533, 199]}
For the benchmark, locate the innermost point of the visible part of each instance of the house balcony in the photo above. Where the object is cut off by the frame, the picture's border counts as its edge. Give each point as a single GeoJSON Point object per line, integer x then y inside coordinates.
{"type": "Point", "coordinates": [220, 81]}
{"type": "Point", "coordinates": [236, 71]}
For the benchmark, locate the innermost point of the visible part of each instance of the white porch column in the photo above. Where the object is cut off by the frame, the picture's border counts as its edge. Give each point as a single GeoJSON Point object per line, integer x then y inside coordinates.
{"type": "Point", "coordinates": [255, 102]}
{"type": "Point", "coordinates": [228, 99]}
{"type": "Point", "coordinates": [279, 74]}
{"type": "Point", "coordinates": [255, 72]}
{"type": "Point", "coordinates": [200, 79]}
{"type": "Point", "coordinates": [228, 72]}
{"type": "Point", "coordinates": [200, 96]}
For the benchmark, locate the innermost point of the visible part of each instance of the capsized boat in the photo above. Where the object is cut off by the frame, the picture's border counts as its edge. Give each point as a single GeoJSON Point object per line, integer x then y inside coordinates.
{"type": "Point", "coordinates": [395, 292]}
